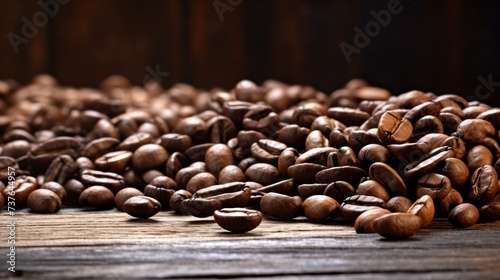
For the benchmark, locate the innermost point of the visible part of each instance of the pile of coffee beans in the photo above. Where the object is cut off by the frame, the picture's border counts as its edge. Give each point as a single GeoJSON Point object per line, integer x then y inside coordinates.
{"type": "Point", "coordinates": [386, 163]}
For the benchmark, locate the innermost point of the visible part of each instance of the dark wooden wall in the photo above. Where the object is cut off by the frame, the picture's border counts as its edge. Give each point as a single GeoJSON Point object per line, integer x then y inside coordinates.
{"type": "Point", "coordinates": [440, 46]}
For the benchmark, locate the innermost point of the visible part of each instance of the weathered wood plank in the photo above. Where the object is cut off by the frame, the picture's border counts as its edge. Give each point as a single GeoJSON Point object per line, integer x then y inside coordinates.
{"type": "Point", "coordinates": [109, 244]}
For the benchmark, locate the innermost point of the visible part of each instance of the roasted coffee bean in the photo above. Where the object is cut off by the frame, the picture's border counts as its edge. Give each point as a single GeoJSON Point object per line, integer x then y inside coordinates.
{"type": "Point", "coordinates": [238, 220]}
{"type": "Point", "coordinates": [484, 184]}
{"type": "Point", "coordinates": [474, 131]}
{"type": "Point", "coordinates": [354, 205]}
{"type": "Point", "coordinates": [490, 211]}
{"type": "Point", "coordinates": [464, 215]}
{"type": "Point", "coordinates": [307, 190]}
{"type": "Point", "coordinates": [443, 206]}
{"type": "Point", "coordinates": [283, 187]}
{"type": "Point", "coordinates": [176, 201]}
{"type": "Point", "coordinates": [109, 180]}
{"type": "Point", "coordinates": [194, 127]}
{"type": "Point", "coordinates": [435, 185]}
{"type": "Point", "coordinates": [149, 156]}
{"type": "Point", "coordinates": [388, 177]}
{"type": "Point", "coordinates": [142, 207]}
{"type": "Point", "coordinates": [56, 188]}
{"type": "Point", "coordinates": [134, 141]}
{"type": "Point", "coordinates": [230, 195]}
{"type": "Point", "coordinates": [231, 173]}
{"type": "Point", "coordinates": [161, 188]}
{"type": "Point", "coordinates": [294, 136]}
{"type": "Point", "coordinates": [450, 120]}
{"type": "Point", "coordinates": [316, 139]}
{"type": "Point", "coordinates": [261, 118]}
{"type": "Point", "coordinates": [339, 190]}
{"type": "Point", "coordinates": [125, 194]}
{"type": "Point", "coordinates": [345, 156]}
{"type": "Point", "coordinates": [286, 159]}
{"type": "Point", "coordinates": [373, 153]}
{"type": "Point", "coordinates": [364, 222]}
{"type": "Point", "coordinates": [5, 163]}
{"type": "Point", "coordinates": [83, 163]}
{"type": "Point", "coordinates": [73, 190]}
{"type": "Point", "coordinates": [326, 125]}
{"type": "Point", "coordinates": [99, 147]}
{"type": "Point", "coordinates": [23, 186]}
{"type": "Point", "coordinates": [16, 149]}
{"type": "Point", "coordinates": [126, 126]}
{"type": "Point", "coordinates": [200, 181]}
{"type": "Point", "coordinates": [320, 207]}
{"type": "Point", "coordinates": [337, 138]}
{"type": "Point", "coordinates": [248, 91]}
{"type": "Point", "coordinates": [150, 175]}
{"type": "Point", "coordinates": [281, 206]}
{"type": "Point", "coordinates": [185, 174]}
{"type": "Point", "coordinates": [263, 173]}
{"type": "Point", "coordinates": [61, 169]}
{"type": "Point", "coordinates": [305, 172]}
{"type": "Point", "coordinates": [348, 116]}
{"type": "Point", "coordinates": [429, 108]}
{"type": "Point", "coordinates": [44, 201]}
{"type": "Point", "coordinates": [477, 157]}
{"type": "Point", "coordinates": [428, 162]}
{"type": "Point", "coordinates": [217, 157]}
{"type": "Point", "coordinates": [175, 162]}
{"type": "Point", "coordinates": [97, 196]}
{"type": "Point", "coordinates": [398, 204]}
{"type": "Point", "coordinates": [424, 208]}
{"type": "Point", "coordinates": [456, 171]}
{"type": "Point", "coordinates": [201, 207]}
{"type": "Point", "coordinates": [113, 161]}
{"type": "Point", "coordinates": [457, 145]}
{"type": "Point", "coordinates": [397, 225]}
{"type": "Point", "coordinates": [357, 139]}
{"type": "Point", "coordinates": [433, 140]}
{"type": "Point", "coordinates": [174, 142]}
{"type": "Point", "coordinates": [392, 129]}
{"type": "Point", "coordinates": [304, 115]}
{"type": "Point", "coordinates": [373, 188]}
{"type": "Point", "coordinates": [350, 174]}
{"type": "Point", "coordinates": [316, 155]}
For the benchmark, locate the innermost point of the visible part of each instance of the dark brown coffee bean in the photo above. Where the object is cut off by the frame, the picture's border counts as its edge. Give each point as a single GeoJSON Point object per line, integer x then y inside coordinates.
{"type": "Point", "coordinates": [411, 99]}
{"type": "Point", "coordinates": [231, 173]}
{"type": "Point", "coordinates": [236, 110]}
{"type": "Point", "coordinates": [398, 204]}
{"type": "Point", "coordinates": [109, 180]}
{"type": "Point", "coordinates": [350, 174]}
{"type": "Point", "coordinates": [73, 190]}
{"type": "Point", "coordinates": [200, 181]}
{"type": "Point", "coordinates": [426, 125]}
{"type": "Point", "coordinates": [305, 172]}
{"type": "Point", "coordinates": [247, 91]}
{"type": "Point", "coordinates": [83, 163]}
{"type": "Point", "coordinates": [126, 126]}
{"type": "Point", "coordinates": [397, 225]}
{"type": "Point", "coordinates": [364, 222]}
{"type": "Point", "coordinates": [490, 211]}
{"type": "Point", "coordinates": [294, 136]}
{"type": "Point", "coordinates": [262, 173]}
{"type": "Point", "coordinates": [175, 162]}
{"type": "Point", "coordinates": [103, 129]}
{"type": "Point", "coordinates": [326, 125]}
{"type": "Point", "coordinates": [316, 155]}
{"type": "Point", "coordinates": [283, 187]}
{"type": "Point", "coordinates": [176, 201]}
{"type": "Point", "coordinates": [450, 120]}
{"type": "Point", "coordinates": [194, 127]}
{"type": "Point", "coordinates": [221, 129]}
{"type": "Point", "coordinates": [339, 190]}
{"type": "Point", "coordinates": [348, 116]}
{"type": "Point", "coordinates": [185, 174]}
{"type": "Point", "coordinates": [44, 201]}
{"type": "Point", "coordinates": [286, 159]}
{"type": "Point", "coordinates": [392, 129]}
{"type": "Point", "coordinates": [316, 139]}
{"type": "Point", "coordinates": [373, 153]}
{"type": "Point", "coordinates": [474, 131]}
{"type": "Point", "coordinates": [345, 156]}
{"type": "Point", "coordinates": [97, 196]}
{"type": "Point", "coordinates": [149, 156]}
{"type": "Point", "coordinates": [125, 194]}
{"type": "Point", "coordinates": [320, 207]}
{"type": "Point", "coordinates": [238, 220]}
{"type": "Point", "coordinates": [484, 184]}
{"type": "Point", "coordinates": [444, 206]}
{"type": "Point", "coordinates": [357, 139]}
{"type": "Point", "coordinates": [61, 169]}
{"type": "Point", "coordinates": [307, 190]}
{"type": "Point", "coordinates": [16, 149]}
{"type": "Point", "coordinates": [388, 177]}
{"type": "Point", "coordinates": [477, 157]}
{"type": "Point", "coordinates": [261, 118]}
{"type": "Point", "coordinates": [304, 115]}
{"type": "Point", "coordinates": [99, 147]}
{"type": "Point", "coordinates": [56, 188]}
{"type": "Point", "coordinates": [354, 205]}
{"type": "Point", "coordinates": [134, 141]}
{"type": "Point", "coordinates": [435, 185]}
{"type": "Point", "coordinates": [201, 207]}
{"type": "Point", "coordinates": [456, 171]}
{"type": "Point", "coordinates": [373, 188]}
{"type": "Point", "coordinates": [230, 195]}
{"type": "Point", "coordinates": [23, 186]}
{"type": "Point", "coordinates": [337, 138]}
{"type": "Point", "coordinates": [424, 208]}
{"type": "Point", "coordinates": [113, 161]}
{"type": "Point", "coordinates": [217, 157]}
{"type": "Point", "coordinates": [429, 108]}
{"type": "Point", "coordinates": [464, 215]}
{"type": "Point", "coordinates": [174, 142]}
{"type": "Point", "coordinates": [161, 188]}
{"type": "Point", "coordinates": [281, 206]}
{"type": "Point", "coordinates": [197, 152]}
{"type": "Point", "coordinates": [427, 162]}
{"type": "Point", "coordinates": [142, 207]}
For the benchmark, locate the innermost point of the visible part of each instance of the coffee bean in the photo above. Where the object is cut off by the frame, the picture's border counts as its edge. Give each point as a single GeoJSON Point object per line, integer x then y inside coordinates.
{"type": "Point", "coordinates": [286, 159]}
{"type": "Point", "coordinates": [61, 169]}
{"type": "Point", "coordinates": [238, 220]}
{"type": "Point", "coordinates": [444, 205]}
{"type": "Point", "coordinates": [23, 186]}
{"type": "Point", "coordinates": [283, 187]}
{"type": "Point", "coordinates": [231, 173]}
{"type": "Point", "coordinates": [364, 222]}
{"type": "Point", "coordinates": [348, 116]}
{"type": "Point", "coordinates": [97, 196]}
{"type": "Point", "coordinates": [134, 141]}
{"type": "Point", "coordinates": [464, 215]}
{"type": "Point", "coordinates": [397, 225]}
{"type": "Point", "coordinates": [490, 211]}
{"type": "Point", "coordinates": [429, 108]}
{"type": "Point", "coordinates": [350, 174]}
{"type": "Point", "coordinates": [457, 171]}
{"type": "Point", "coordinates": [477, 157]}
{"type": "Point", "coordinates": [435, 185]}
{"type": "Point", "coordinates": [113, 161]}
{"type": "Point", "coordinates": [427, 162]}
{"type": "Point", "coordinates": [354, 205]}
{"type": "Point", "coordinates": [217, 157]}
{"type": "Point", "coordinates": [424, 208]}
{"type": "Point", "coordinates": [320, 207]}
{"type": "Point", "coordinates": [161, 188]}
{"type": "Point", "coordinates": [174, 142]}
{"type": "Point", "coordinates": [398, 204]}
{"type": "Point", "coordinates": [201, 207]}
{"type": "Point", "coordinates": [339, 190]}
{"type": "Point", "coordinates": [305, 172]}
{"type": "Point", "coordinates": [294, 136]}
{"type": "Point", "coordinates": [373, 153]}
{"type": "Point", "coordinates": [304, 115]}
{"type": "Point", "coordinates": [44, 201]}
{"type": "Point", "coordinates": [150, 175]}
{"type": "Point", "coordinates": [392, 129]}
{"type": "Point", "coordinates": [125, 194]}
{"type": "Point", "coordinates": [109, 180]}
{"type": "Point", "coordinates": [484, 184]}
{"type": "Point", "coordinates": [263, 173]}
{"type": "Point", "coordinates": [56, 188]}
{"type": "Point", "coordinates": [176, 201]}
{"type": "Point", "coordinates": [149, 156]}
{"type": "Point", "coordinates": [200, 181]}
{"type": "Point", "coordinates": [142, 207]}
{"type": "Point", "coordinates": [388, 177]}
{"type": "Point", "coordinates": [281, 206]}
{"type": "Point", "coordinates": [308, 190]}
{"type": "Point", "coordinates": [474, 131]}
{"type": "Point", "coordinates": [373, 188]}
{"type": "Point", "coordinates": [234, 194]}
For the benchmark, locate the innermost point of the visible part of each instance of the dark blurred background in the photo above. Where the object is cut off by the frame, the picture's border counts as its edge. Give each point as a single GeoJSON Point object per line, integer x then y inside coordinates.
{"type": "Point", "coordinates": [441, 46]}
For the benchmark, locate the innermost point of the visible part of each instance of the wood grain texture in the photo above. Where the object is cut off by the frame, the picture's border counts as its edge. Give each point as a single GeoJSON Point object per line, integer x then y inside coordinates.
{"type": "Point", "coordinates": [111, 245]}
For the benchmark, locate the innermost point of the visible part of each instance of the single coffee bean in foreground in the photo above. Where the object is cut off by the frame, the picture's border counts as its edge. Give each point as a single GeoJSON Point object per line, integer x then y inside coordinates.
{"type": "Point", "coordinates": [397, 225]}
{"type": "Point", "coordinates": [141, 207]}
{"type": "Point", "coordinates": [44, 201]}
{"type": "Point", "coordinates": [238, 220]}
{"type": "Point", "coordinates": [464, 215]}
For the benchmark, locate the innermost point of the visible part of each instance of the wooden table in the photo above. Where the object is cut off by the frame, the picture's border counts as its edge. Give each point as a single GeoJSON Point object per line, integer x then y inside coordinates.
{"type": "Point", "coordinates": [78, 244]}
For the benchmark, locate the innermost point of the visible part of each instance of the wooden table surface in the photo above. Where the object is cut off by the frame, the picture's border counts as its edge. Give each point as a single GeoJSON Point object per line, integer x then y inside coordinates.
{"type": "Point", "coordinates": [76, 244]}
